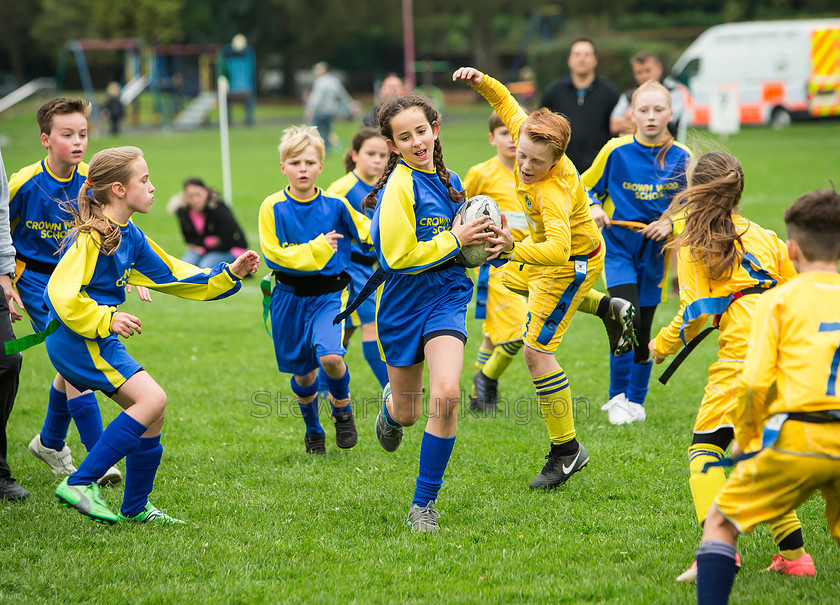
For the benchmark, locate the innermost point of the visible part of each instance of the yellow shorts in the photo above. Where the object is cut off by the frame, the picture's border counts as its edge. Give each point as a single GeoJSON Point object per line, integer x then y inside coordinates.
{"type": "Point", "coordinates": [806, 458]}
{"type": "Point", "coordinates": [548, 313]}
{"type": "Point", "coordinates": [506, 311]}
{"type": "Point", "coordinates": [515, 278]}
{"type": "Point", "coordinates": [719, 399]}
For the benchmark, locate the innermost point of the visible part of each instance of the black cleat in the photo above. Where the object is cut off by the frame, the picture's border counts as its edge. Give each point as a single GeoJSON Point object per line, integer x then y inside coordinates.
{"type": "Point", "coordinates": [389, 436]}
{"type": "Point", "coordinates": [558, 469]}
{"type": "Point", "coordinates": [619, 324]}
{"type": "Point", "coordinates": [11, 491]}
{"type": "Point", "coordinates": [486, 393]}
{"type": "Point", "coordinates": [345, 430]}
{"type": "Point", "coordinates": [316, 443]}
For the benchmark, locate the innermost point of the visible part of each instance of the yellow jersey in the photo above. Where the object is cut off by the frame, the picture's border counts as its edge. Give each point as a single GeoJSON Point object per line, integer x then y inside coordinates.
{"type": "Point", "coordinates": [556, 207]}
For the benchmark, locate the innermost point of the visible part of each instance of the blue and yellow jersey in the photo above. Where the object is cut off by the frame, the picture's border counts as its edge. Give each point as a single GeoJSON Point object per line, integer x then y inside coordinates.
{"type": "Point", "coordinates": [39, 223]}
{"type": "Point", "coordinates": [794, 351]}
{"type": "Point", "coordinates": [87, 286]}
{"type": "Point", "coordinates": [556, 207]}
{"type": "Point", "coordinates": [492, 178]}
{"type": "Point", "coordinates": [696, 288]}
{"type": "Point", "coordinates": [411, 222]}
{"type": "Point", "coordinates": [354, 189]}
{"type": "Point", "coordinates": [627, 179]}
{"type": "Point", "coordinates": [292, 232]}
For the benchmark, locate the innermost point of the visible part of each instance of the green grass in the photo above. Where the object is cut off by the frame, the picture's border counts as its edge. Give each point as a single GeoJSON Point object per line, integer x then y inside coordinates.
{"type": "Point", "coordinates": [269, 524]}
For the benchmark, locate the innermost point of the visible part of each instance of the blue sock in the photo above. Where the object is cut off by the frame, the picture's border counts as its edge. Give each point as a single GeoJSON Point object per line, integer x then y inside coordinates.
{"type": "Point", "coordinates": [620, 368]}
{"type": "Point", "coordinates": [85, 412]}
{"type": "Point", "coordinates": [434, 456]}
{"type": "Point", "coordinates": [340, 389]}
{"type": "Point", "coordinates": [57, 420]}
{"type": "Point", "coordinates": [371, 353]}
{"type": "Point", "coordinates": [639, 380]}
{"type": "Point", "coordinates": [140, 468]}
{"type": "Point", "coordinates": [308, 411]}
{"type": "Point", "coordinates": [715, 573]}
{"type": "Point", "coordinates": [118, 440]}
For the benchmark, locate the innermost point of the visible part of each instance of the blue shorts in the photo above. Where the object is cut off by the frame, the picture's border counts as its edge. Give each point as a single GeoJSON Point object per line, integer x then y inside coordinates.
{"type": "Point", "coordinates": [366, 313]}
{"type": "Point", "coordinates": [412, 307]}
{"type": "Point", "coordinates": [31, 286]}
{"type": "Point", "coordinates": [302, 329]}
{"type": "Point", "coordinates": [634, 259]}
{"type": "Point", "coordinates": [100, 365]}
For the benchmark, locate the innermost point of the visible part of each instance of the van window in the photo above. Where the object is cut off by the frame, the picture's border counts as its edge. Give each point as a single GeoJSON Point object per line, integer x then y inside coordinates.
{"type": "Point", "coordinates": [690, 70]}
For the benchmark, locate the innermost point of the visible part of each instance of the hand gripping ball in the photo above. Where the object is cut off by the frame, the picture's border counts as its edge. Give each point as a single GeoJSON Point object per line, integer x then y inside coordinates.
{"type": "Point", "coordinates": [475, 255]}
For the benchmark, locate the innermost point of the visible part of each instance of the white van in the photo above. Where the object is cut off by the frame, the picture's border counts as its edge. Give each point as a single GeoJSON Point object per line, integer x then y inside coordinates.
{"type": "Point", "coordinates": [779, 70]}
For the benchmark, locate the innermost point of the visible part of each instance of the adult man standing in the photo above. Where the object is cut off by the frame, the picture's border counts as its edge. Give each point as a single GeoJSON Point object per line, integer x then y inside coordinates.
{"type": "Point", "coordinates": [646, 66]}
{"type": "Point", "coordinates": [586, 100]}
{"type": "Point", "coordinates": [327, 98]}
{"type": "Point", "coordinates": [9, 364]}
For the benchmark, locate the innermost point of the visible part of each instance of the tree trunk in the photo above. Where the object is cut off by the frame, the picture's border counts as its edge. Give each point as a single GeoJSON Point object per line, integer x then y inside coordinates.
{"type": "Point", "coordinates": [483, 53]}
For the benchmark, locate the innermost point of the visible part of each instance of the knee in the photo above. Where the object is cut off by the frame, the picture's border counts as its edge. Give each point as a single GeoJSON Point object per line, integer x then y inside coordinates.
{"type": "Point", "coordinates": [333, 365]}
{"type": "Point", "coordinates": [156, 402]}
{"type": "Point", "coordinates": [307, 379]}
{"type": "Point", "coordinates": [444, 403]}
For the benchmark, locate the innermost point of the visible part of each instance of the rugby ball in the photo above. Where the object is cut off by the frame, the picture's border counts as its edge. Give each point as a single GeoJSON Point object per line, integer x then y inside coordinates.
{"type": "Point", "coordinates": [475, 255]}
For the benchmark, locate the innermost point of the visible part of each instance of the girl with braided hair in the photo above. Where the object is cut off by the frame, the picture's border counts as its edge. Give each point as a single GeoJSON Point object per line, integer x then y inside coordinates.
{"type": "Point", "coordinates": [725, 263]}
{"type": "Point", "coordinates": [422, 306]}
{"type": "Point", "coordinates": [103, 252]}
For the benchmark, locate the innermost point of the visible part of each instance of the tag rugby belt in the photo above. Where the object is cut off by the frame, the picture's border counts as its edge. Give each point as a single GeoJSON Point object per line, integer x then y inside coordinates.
{"type": "Point", "coordinates": [373, 283]}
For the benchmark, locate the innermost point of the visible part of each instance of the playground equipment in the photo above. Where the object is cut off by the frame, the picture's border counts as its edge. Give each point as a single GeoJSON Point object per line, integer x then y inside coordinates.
{"type": "Point", "coordinates": [24, 92]}
{"type": "Point", "coordinates": [180, 77]}
{"type": "Point", "coordinates": [238, 63]}
{"type": "Point", "coordinates": [139, 69]}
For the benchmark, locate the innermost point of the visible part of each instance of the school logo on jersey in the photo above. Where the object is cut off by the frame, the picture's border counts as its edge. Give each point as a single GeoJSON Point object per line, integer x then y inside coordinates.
{"type": "Point", "coordinates": [527, 201]}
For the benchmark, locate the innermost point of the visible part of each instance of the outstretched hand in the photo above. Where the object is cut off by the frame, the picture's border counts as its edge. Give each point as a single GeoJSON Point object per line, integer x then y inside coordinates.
{"type": "Point", "coordinates": [473, 232]}
{"type": "Point", "coordinates": [502, 240]}
{"type": "Point", "coordinates": [470, 75]}
{"type": "Point", "coordinates": [142, 292]}
{"type": "Point", "coordinates": [248, 262]}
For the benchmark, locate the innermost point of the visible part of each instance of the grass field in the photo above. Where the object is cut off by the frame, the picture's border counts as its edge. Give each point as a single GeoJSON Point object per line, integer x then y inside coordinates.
{"type": "Point", "coordinates": [266, 523]}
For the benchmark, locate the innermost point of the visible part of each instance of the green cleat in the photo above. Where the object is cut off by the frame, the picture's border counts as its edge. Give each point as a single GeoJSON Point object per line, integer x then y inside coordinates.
{"type": "Point", "coordinates": [85, 499]}
{"type": "Point", "coordinates": [150, 514]}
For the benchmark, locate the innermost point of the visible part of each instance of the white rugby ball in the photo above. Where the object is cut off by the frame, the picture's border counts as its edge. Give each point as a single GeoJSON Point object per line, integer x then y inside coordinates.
{"type": "Point", "coordinates": [479, 206]}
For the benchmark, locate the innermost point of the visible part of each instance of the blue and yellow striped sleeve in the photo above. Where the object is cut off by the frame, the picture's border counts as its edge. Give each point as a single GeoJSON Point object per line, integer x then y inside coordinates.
{"type": "Point", "coordinates": [310, 256]}
{"type": "Point", "coordinates": [66, 290]}
{"type": "Point", "coordinates": [400, 252]}
{"type": "Point", "coordinates": [16, 181]}
{"type": "Point", "coordinates": [506, 106]}
{"type": "Point", "coordinates": [155, 269]}
{"type": "Point", "coordinates": [343, 184]}
{"type": "Point", "coordinates": [595, 177]}
{"type": "Point", "coordinates": [360, 222]}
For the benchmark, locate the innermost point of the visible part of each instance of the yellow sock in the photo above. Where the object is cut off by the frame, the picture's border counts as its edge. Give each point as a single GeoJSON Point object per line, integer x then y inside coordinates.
{"type": "Point", "coordinates": [500, 359]}
{"type": "Point", "coordinates": [704, 486]}
{"type": "Point", "coordinates": [555, 398]}
{"type": "Point", "coordinates": [482, 357]}
{"type": "Point", "coordinates": [781, 528]}
{"type": "Point", "coordinates": [589, 303]}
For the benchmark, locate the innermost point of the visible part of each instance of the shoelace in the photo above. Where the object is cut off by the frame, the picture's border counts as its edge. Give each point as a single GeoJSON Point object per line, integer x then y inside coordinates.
{"type": "Point", "coordinates": [426, 514]}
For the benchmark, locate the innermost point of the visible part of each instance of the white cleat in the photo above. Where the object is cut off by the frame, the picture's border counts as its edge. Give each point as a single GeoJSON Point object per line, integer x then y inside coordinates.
{"type": "Point", "coordinates": [60, 462]}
